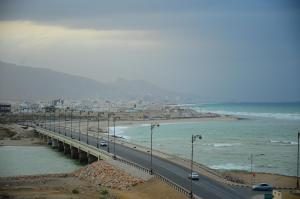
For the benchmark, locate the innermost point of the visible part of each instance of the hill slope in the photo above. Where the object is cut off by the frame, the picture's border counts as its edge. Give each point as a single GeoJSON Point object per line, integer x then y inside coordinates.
{"type": "Point", "coordinates": [22, 82]}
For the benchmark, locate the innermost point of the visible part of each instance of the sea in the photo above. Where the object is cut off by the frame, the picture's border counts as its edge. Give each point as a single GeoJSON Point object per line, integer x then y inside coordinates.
{"type": "Point", "coordinates": [34, 160]}
{"type": "Point", "coordinates": [268, 131]}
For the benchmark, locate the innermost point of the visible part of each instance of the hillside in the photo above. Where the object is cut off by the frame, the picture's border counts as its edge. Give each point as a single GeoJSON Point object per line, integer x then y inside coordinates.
{"type": "Point", "coordinates": [23, 82]}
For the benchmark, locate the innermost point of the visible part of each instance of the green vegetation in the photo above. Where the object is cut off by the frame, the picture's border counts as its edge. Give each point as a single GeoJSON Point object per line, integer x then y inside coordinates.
{"type": "Point", "coordinates": [75, 191]}
{"type": "Point", "coordinates": [104, 194]}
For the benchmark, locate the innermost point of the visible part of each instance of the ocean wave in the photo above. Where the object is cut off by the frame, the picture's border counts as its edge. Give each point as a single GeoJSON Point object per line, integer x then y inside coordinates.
{"type": "Point", "coordinates": [230, 166]}
{"type": "Point", "coordinates": [284, 142]}
{"type": "Point", "coordinates": [119, 131]}
{"type": "Point", "coordinates": [287, 116]}
{"type": "Point", "coordinates": [222, 144]}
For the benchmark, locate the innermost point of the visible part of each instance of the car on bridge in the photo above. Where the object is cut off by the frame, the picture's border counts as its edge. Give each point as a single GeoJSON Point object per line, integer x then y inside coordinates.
{"type": "Point", "coordinates": [194, 176]}
{"type": "Point", "coordinates": [262, 187]}
{"type": "Point", "coordinates": [103, 143]}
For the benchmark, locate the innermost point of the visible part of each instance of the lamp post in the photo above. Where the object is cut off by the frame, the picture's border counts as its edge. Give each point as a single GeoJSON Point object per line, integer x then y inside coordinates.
{"type": "Point", "coordinates": [194, 137]}
{"type": "Point", "coordinates": [98, 130]}
{"type": "Point", "coordinates": [298, 163]}
{"type": "Point", "coordinates": [27, 117]}
{"type": "Point", "coordinates": [59, 121]}
{"type": "Point", "coordinates": [108, 118]}
{"type": "Point", "coordinates": [114, 120]}
{"type": "Point", "coordinates": [153, 125]}
{"type": "Point", "coordinates": [71, 124]}
{"type": "Point", "coordinates": [252, 167]}
{"type": "Point", "coordinates": [87, 127]}
{"type": "Point", "coordinates": [54, 114]}
{"type": "Point", "coordinates": [65, 122]}
{"type": "Point", "coordinates": [79, 125]}
{"type": "Point", "coordinates": [32, 117]}
{"type": "Point", "coordinates": [45, 119]}
{"type": "Point", "coordinates": [49, 118]}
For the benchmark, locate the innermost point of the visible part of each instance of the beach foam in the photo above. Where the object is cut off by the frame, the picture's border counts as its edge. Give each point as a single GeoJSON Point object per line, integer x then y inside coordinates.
{"type": "Point", "coordinates": [120, 131]}
{"type": "Point", "coordinates": [222, 144]}
{"type": "Point", "coordinates": [286, 116]}
{"type": "Point", "coordinates": [284, 142]}
{"type": "Point", "coordinates": [230, 166]}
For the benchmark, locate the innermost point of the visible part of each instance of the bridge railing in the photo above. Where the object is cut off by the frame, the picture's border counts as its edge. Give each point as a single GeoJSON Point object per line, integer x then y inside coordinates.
{"type": "Point", "coordinates": [158, 176]}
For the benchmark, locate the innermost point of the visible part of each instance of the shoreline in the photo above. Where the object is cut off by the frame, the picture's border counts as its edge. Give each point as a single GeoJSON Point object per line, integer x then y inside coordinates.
{"type": "Point", "coordinates": [225, 176]}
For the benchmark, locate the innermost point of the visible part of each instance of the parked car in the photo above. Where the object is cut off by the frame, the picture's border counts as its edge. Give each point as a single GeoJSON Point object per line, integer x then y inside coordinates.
{"type": "Point", "coordinates": [103, 143]}
{"type": "Point", "coordinates": [262, 187]}
{"type": "Point", "coordinates": [194, 176]}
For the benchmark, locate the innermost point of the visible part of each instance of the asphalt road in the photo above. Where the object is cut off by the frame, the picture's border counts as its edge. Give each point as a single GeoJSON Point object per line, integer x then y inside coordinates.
{"type": "Point", "coordinates": [205, 187]}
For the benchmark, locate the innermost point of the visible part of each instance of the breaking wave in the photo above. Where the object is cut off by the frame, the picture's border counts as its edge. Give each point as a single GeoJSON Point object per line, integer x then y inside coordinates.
{"type": "Point", "coordinates": [284, 142]}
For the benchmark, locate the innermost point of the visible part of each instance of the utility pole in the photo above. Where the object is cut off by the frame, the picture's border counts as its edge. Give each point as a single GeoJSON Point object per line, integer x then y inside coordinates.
{"type": "Point", "coordinates": [108, 117]}
{"type": "Point", "coordinates": [98, 129]}
{"type": "Point", "coordinates": [71, 124]}
{"type": "Point", "coordinates": [114, 120]}
{"type": "Point", "coordinates": [298, 163]}
{"type": "Point", "coordinates": [87, 127]}
{"type": "Point", "coordinates": [194, 137]}
{"type": "Point", "coordinates": [54, 114]}
{"type": "Point", "coordinates": [59, 121]}
{"type": "Point", "coordinates": [79, 125]}
{"type": "Point", "coordinates": [65, 122]}
{"type": "Point", "coordinates": [153, 125]}
{"type": "Point", "coordinates": [252, 170]}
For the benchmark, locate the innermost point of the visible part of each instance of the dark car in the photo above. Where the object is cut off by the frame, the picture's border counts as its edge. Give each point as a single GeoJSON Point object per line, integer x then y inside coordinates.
{"type": "Point", "coordinates": [262, 187]}
{"type": "Point", "coordinates": [194, 176]}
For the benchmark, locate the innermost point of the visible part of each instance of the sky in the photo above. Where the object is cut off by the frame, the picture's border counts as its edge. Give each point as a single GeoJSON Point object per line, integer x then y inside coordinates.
{"type": "Point", "coordinates": [231, 50]}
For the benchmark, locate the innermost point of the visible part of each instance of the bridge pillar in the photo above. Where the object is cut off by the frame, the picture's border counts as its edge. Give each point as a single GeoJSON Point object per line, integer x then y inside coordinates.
{"type": "Point", "coordinates": [49, 140]}
{"type": "Point", "coordinates": [91, 158]}
{"type": "Point", "coordinates": [60, 146]}
{"type": "Point", "coordinates": [82, 155]}
{"type": "Point", "coordinates": [74, 152]}
{"type": "Point", "coordinates": [45, 139]}
{"type": "Point", "coordinates": [67, 149]}
{"type": "Point", "coordinates": [54, 143]}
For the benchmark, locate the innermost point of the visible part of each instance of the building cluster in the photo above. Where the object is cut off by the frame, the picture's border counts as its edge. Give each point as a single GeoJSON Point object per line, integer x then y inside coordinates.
{"type": "Point", "coordinates": [126, 110]}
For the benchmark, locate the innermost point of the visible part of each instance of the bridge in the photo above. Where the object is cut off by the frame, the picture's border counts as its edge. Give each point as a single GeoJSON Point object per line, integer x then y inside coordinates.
{"type": "Point", "coordinates": [80, 145]}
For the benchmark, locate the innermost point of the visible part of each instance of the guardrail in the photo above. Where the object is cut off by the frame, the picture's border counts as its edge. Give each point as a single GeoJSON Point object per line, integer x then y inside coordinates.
{"type": "Point", "coordinates": [160, 177]}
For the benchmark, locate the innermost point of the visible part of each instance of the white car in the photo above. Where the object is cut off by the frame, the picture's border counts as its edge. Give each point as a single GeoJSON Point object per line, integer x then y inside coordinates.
{"type": "Point", "coordinates": [103, 143]}
{"type": "Point", "coordinates": [194, 176]}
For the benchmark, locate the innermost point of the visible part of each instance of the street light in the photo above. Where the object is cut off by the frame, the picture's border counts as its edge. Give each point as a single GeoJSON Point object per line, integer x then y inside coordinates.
{"type": "Point", "coordinates": [65, 122]}
{"type": "Point", "coordinates": [108, 117]}
{"type": "Point", "coordinates": [98, 129]}
{"type": "Point", "coordinates": [251, 162]}
{"type": "Point", "coordinates": [54, 113]}
{"type": "Point", "coordinates": [87, 127]}
{"type": "Point", "coordinates": [153, 125]}
{"type": "Point", "coordinates": [298, 163]}
{"type": "Point", "coordinates": [194, 137]}
{"type": "Point", "coordinates": [59, 121]}
{"type": "Point", "coordinates": [79, 125]}
{"type": "Point", "coordinates": [71, 124]}
{"type": "Point", "coordinates": [114, 120]}
{"type": "Point", "coordinates": [45, 120]}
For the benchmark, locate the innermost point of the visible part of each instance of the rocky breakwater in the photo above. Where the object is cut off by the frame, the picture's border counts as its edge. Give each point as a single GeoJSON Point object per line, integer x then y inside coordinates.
{"type": "Point", "coordinates": [102, 174]}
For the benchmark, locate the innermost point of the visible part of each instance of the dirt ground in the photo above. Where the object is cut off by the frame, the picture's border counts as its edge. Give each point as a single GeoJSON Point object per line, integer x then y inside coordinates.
{"type": "Point", "coordinates": [48, 188]}
{"type": "Point", "coordinates": [154, 188]}
{"type": "Point", "coordinates": [274, 179]}
{"type": "Point", "coordinates": [64, 187]}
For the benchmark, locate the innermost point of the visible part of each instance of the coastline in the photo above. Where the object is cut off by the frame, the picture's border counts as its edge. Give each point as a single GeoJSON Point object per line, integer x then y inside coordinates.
{"type": "Point", "coordinates": [225, 176]}
{"type": "Point", "coordinates": [91, 181]}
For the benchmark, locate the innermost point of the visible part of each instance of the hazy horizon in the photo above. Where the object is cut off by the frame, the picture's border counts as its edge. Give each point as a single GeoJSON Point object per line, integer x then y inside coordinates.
{"type": "Point", "coordinates": [235, 51]}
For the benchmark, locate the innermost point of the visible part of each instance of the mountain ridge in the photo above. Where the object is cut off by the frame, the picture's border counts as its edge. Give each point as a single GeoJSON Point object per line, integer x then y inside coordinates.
{"type": "Point", "coordinates": [25, 82]}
